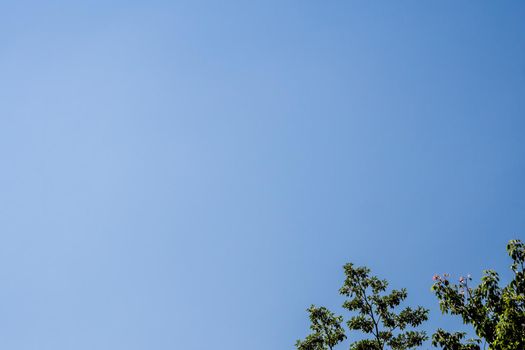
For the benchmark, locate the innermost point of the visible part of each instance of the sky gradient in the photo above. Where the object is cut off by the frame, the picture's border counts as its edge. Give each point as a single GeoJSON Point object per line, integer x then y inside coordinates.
{"type": "Point", "coordinates": [193, 175]}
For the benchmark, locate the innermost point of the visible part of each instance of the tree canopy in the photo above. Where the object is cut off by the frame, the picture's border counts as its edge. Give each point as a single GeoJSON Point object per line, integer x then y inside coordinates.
{"type": "Point", "coordinates": [374, 314]}
{"type": "Point", "coordinates": [496, 313]}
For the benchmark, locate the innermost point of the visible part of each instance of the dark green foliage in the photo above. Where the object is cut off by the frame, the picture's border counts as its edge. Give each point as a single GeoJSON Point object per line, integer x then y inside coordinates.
{"type": "Point", "coordinates": [376, 314]}
{"type": "Point", "coordinates": [496, 313]}
{"type": "Point", "coordinates": [376, 317]}
{"type": "Point", "coordinates": [453, 341]}
{"type": "Point", "coordinates": [326, 330]}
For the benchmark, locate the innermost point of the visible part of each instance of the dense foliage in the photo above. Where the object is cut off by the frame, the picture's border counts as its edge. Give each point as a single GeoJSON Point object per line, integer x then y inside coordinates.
{"type": "Point", "coordinates": [376, 317]}
{"type": "Point", "coordinates": [376, 314]}
{"type": "Point", "coordinates": [496, 313]}
{"type": "Point", "coordinates": [326, 330]}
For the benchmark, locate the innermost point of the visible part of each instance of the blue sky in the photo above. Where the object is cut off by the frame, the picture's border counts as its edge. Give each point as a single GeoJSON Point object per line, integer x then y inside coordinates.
{"type": "Point", "coordinates": [193, 175]}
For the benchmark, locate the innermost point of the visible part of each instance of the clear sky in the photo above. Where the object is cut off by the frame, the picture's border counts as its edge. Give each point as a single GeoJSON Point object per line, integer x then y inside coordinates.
{"type": "Point", "coordinates": [193, 174]}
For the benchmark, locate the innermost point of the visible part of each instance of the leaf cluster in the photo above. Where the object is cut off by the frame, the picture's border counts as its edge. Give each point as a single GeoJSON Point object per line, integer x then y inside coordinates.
{"type": "Point", "coordinates": [374, 314]}
{"type": "Point", "coordinates": [496, 313]}
{"type": "Point", "coordinates": [326, 330]}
